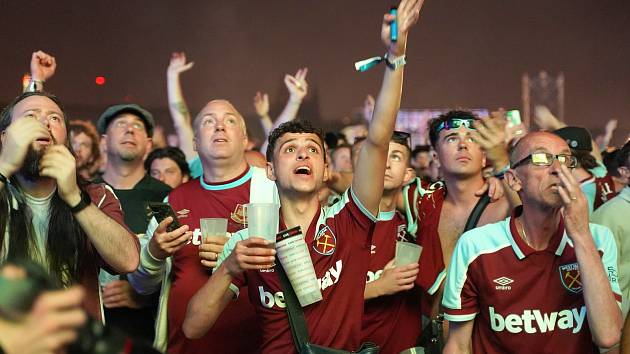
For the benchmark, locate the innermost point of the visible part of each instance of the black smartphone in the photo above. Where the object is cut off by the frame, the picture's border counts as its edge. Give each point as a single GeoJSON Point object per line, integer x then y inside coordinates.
{"type": "Point", "coordinates": [393, 27]}
{"type": "Point", "coordinates": [161, 211]}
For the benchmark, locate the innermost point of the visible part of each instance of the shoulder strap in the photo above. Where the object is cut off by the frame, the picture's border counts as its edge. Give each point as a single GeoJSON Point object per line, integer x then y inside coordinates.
{"type": "Point", "coordinates": [475, 215]}
{"type": "Point", "coordinates": [294, 310]}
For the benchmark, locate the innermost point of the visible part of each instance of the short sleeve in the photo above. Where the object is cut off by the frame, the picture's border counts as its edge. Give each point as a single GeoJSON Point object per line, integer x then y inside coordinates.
{"type": "Point", "coordinates": [460, 293]}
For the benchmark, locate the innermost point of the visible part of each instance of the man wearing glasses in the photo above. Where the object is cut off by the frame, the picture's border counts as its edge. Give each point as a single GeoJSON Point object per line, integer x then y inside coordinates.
{"type": "Point", "coordinates": [127, 130]}
{"type": "Point", "coordinates": [543, 280]}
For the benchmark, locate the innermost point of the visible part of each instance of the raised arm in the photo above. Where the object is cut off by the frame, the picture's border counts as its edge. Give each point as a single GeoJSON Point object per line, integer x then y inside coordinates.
{"type": "Point", "coordinates": [547, 121]}
{"type": "Point", "coordinates": [43, 67]}
{"type": "Point", "coordinates": [182, 120]}
{"type": "Point", "coordinates": [261, 105]}
{"type": "Point", "coordinates": [298, 88]}
{"type": "Point", "coordinates": [370, 170]}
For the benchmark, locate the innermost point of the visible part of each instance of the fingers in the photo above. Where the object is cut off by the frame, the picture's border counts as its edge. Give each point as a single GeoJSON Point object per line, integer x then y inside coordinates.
{"type": "Point", "coordinates": [568, 190]}
{"type": "Point", "coordinates": [483, 189]}
{"type": "Point", "coordinates": [176, 240]}
{"type": "Point", "coordinates": [164, 224]}
{"type": "Point", "coordinates": [492, 189]}
{"type": "Point", "coordinates": [60, 299]}
{"type": "Point", "coordinates": [60, 339]}
{"type": "Point", "coordinates": [254, 253]}
{"type": "Point", "coordinates": [43, 58]}
{"type": "Point", "coordinates": [188, 66]}
{"type": "Point", "coordinates": [300, 75]}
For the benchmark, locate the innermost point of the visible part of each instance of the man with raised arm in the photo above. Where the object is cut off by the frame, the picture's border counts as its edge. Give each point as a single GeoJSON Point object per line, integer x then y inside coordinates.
{"type": "Point", "coordinates": [543, 280]}
{"type": "Point", "coordinates": [297, 163]}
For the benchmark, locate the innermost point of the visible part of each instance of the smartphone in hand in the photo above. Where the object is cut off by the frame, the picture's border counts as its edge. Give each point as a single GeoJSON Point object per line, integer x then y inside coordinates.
{"type": "Point", "coordinates": [393, 27]}
{"type": "Point", "coordinates": [161, 211]}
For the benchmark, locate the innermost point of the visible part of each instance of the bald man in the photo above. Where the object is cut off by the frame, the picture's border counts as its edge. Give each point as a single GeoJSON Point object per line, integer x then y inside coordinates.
{"type": "Point", "coordinates": [543, 280]}
{"type": "Point", "coordinates": [220, 139]}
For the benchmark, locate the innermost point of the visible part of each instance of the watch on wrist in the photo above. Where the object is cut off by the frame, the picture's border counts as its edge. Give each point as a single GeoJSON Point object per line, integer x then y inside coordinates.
{"type": "Point", "coordinates": [83, 203]}
{"type": "Point", "coordinates": [395, 63]}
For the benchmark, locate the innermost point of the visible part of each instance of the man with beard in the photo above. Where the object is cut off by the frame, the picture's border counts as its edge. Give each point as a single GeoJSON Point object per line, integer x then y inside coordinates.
{"type": "Point", "coordinates": [48, 213]}
{"type": "Point", "coordinates": [543, 280]}
{"type": "Point", "coordinates": [127, 130]}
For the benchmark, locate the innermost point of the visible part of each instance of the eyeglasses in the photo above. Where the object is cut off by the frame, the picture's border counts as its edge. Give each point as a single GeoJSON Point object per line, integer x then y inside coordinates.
{"type": "Point", "coordinates": [402, 136]}
{"type": "Point", "coordinates": [124, 125]}
{"type": "Point", "coordinates": [455, 123]}
{"type": "Point", "coordinates": [546, 159]}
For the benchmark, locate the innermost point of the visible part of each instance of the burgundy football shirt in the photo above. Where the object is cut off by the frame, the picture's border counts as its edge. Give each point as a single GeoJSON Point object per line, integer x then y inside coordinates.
{"type": "Point", "coordinates": [339, 244]}
{"type": "Point", "coordinates": [391, 321]}
{"type": "Point", "coordinates": [191, 202]}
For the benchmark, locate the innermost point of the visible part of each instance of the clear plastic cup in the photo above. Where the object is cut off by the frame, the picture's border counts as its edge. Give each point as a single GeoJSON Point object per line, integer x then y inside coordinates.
{"type": "Point", "coordinates": [213, 227]}
{"type": "Point", "coordinates": [407, 253]}
{"type": "Point", "coordinates": [262, 220]}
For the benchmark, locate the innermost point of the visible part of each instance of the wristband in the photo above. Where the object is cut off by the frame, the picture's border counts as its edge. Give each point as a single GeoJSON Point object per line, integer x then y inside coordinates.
{"type": "Point", "coordinates": [35, 85]}
{"type": "Point", "coordinates": [83, 203]}
{"type": "Point", "coordinates": [366, 64]}
{"type": "Point", "coordinates": [396, 62]}
{"type": "Point", "coordinates": [500, 174]}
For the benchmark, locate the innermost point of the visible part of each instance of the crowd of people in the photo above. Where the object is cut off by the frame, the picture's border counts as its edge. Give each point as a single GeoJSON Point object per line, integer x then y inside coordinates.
{"type": "Point", "coordinates": [522, 233]}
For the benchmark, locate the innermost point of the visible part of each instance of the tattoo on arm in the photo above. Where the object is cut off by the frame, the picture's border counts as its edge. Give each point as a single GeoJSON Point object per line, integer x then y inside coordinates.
{"type": "Point", "coordinates": [180, 107]}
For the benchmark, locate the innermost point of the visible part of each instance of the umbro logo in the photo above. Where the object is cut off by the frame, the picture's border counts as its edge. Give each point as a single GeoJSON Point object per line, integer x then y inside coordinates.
{"type": "Point", "coordinates": [373, 249]}
{"type": "Point", "coordinates": [503, 283]}
{"type": "Point", "coordinates": [182, 213]}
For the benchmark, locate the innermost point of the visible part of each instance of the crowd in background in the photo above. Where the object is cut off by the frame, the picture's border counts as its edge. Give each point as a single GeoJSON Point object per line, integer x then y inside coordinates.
{"type": "Point", "coordinates": [152, 281]}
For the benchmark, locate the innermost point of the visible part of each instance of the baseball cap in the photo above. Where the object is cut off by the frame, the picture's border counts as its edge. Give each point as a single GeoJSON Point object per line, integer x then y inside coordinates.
{"type": "Point", "coordinates": [576, 137]}
{"type": "Point", "coordinates": [113, 111]}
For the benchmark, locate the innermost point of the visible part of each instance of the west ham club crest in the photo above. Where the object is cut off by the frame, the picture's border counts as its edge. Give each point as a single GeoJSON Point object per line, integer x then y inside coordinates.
{"type": "Point", "coordinates": [570, 277]}
{"type": "Point", "coordinates": [325, 242]}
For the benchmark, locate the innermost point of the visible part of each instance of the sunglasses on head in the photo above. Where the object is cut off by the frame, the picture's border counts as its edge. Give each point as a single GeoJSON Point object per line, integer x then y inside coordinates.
{"type": "Point", "coordinates": [455, 123]}
{"type": "Point", "coordinates": [546, 159]}
{"type": "Point", "coordinates": [402, 136]}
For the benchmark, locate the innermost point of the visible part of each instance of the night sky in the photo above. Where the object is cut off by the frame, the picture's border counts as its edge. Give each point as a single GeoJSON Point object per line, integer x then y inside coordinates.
{"type": "Point", "coordinates": [463, 53]}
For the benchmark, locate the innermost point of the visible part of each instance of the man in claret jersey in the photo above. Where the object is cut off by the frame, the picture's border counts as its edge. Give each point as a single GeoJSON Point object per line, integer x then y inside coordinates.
{"type": "Point", "coordinates": [392, 301]}
{"type": "Point", "coordinates": [543, 280]}
{"type": "Point", "coordinates": [338, 238]}
{"type": "Point", "coordinates": [225, 186]}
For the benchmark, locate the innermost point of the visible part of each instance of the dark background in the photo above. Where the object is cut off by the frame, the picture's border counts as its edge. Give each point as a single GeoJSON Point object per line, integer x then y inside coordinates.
{"type": "Point", "coordinates": [463, 53]}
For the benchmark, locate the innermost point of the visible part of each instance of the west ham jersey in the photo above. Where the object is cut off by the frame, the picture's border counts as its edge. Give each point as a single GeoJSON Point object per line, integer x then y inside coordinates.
{"type": "Point", "coordinates": [391, 321]}
{"type": "Point", "coordinates": [339, 243]}
{"type": "Point", "coordinates": [191, 202]}
{"type": "Point", "coordinates": [523, 300]}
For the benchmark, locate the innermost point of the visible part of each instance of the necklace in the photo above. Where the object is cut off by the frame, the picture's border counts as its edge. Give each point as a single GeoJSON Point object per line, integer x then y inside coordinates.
{"type": "Point", "coordinates": [524, 234]}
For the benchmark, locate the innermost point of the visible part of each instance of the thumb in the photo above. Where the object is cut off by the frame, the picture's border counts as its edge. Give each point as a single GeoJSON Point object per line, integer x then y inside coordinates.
{"type": "Point", "coordinates": [164, 224]}
{"type": "Point", "coordinates": [391, 264]}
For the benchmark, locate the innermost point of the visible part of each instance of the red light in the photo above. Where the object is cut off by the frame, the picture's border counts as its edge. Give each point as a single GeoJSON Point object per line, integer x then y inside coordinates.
{"type": "Point", "coordinates": [100, 80]}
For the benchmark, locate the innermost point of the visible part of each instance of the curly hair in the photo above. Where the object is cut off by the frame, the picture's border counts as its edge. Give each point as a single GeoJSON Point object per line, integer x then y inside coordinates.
{"type": "Point", "coordinates": [294, 126]}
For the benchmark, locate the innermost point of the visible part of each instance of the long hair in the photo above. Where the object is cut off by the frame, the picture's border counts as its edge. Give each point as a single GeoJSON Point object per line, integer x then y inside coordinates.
{"type": "Point", "coordinates": [66, 242]}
